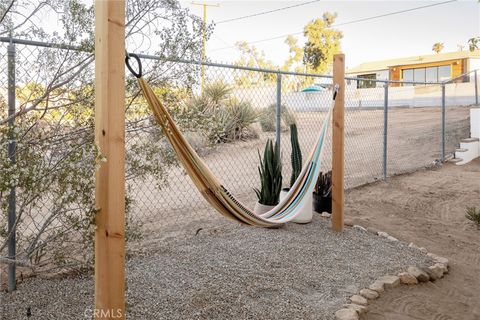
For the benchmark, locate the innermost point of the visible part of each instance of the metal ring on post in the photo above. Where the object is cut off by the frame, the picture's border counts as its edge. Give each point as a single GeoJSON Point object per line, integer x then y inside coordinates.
{"type": "Point", "coordinates": [127, 62]}
{"type": "Point", "coordinates": [336, 88]}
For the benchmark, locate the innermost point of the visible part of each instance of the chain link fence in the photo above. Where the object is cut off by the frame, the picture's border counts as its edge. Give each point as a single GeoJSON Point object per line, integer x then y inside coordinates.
{"type": "Point", "coordinates": [391, 128]}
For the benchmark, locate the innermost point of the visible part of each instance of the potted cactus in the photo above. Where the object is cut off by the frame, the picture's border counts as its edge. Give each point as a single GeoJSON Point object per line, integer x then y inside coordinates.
{"type": "Point", "coordinates": [322, 194]}
{"type": "Point", "coordinates": [270, 171]}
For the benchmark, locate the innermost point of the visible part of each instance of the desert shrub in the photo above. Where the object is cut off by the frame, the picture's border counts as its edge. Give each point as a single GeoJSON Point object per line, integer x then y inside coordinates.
{"type": "Point", "coordinates": [267, 118]}
{"type": "Point", "coordinates": [217, 92]}
{"type": "Point", "coordinates": [473, 214]}
{"type": "Point", "coordinates": [221, 117]}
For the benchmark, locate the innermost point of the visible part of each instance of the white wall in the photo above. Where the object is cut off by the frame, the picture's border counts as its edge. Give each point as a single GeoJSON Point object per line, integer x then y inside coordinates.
{"type": "Point", "coordinates": [474, 65]}
{"type": "Point", "coordinates": [380, 75]}
{"type": "Point", "coordinates": [456, 94]}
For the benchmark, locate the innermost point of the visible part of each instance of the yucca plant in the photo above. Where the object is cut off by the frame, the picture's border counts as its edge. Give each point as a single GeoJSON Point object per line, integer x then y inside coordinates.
{"type": "Point", "coordinates": [217, 92]}
{"type": "Point", "coordinates": [270, 171]}
{"type": "Point", "coordinates": [296, 156]}
{"type": "Point", "coordinates": [473, 214]}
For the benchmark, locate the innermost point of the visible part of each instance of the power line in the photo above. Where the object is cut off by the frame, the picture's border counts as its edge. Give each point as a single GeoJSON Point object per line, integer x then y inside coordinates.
{"type": "Point", "coordinates": [266, 12]}
{"type": "Point", "coordinates": [346, 23]}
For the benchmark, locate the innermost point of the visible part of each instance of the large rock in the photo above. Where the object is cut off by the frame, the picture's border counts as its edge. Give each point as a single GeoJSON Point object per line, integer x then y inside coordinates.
{"type": "Point", "coordinates": [422, 249]}
{"type": "Point", "coordinates": [433, 275]}
{"type": "Point", "coordinates": [407, 278]}
{"type": "Point", "coordinates": [442, 267]}
{"type": "Point", "coordinates": [325, 214]}
{"type": "Point", "coordinates": [393, 239]}
{"type": "Point", "coordinates": [421, 275]}
{"type": "Point", "coordinates": [346, 314]}
{"type": "Point", "coordinates": [357, 299]}
{"type": "Point", "coordinates": [377, 286]}
{"type": "Point", "coordinates": [436, 271]}
{"type": "Point", "coordinates": [390, 281]}
{"type": "Point", "coordinates": [356, 226]}
{"type": "Point", "coordinates": [360, 309]}
{"type": "Point", "coordinates": [348, 222]}
{"type": "Point", "coordinates": [439, 259]}
{"type": "Point", "coordinates": [369, 294]}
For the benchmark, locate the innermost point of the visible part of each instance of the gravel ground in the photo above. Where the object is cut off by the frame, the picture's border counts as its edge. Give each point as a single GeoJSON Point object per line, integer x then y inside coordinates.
{"type": "Point", "coordinates": [234, 272]}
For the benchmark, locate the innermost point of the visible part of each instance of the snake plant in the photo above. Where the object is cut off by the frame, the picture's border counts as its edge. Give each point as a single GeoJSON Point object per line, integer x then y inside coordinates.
{"type": "Point", "coordinates": [270, 171]}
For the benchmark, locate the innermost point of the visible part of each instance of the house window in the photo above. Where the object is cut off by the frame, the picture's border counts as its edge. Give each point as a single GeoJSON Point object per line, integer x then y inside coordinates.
{"type": "Point", "coordinates": [407, 75]}
{"type": "Point", "coordinates": [444, 73]}
{"type": "Point", "coordinates": [430, 74]}
{"type": "Point", "coordinates": [419, 74]}
{"type": "Point", "coordinates": [362, 84]}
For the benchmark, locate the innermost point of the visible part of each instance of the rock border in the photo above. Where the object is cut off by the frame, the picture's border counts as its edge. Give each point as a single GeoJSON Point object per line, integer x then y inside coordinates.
{"type": "Point", "coordinates": [358, 303]}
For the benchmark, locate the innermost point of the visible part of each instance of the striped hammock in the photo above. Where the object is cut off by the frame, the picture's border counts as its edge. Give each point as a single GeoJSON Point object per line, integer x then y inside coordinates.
{"type": "Point", "coordinates": [216, 194]}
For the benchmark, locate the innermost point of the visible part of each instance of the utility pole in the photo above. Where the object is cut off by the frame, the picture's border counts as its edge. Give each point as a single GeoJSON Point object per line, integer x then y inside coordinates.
{"type": "Point", "coordinates": [204, 47]}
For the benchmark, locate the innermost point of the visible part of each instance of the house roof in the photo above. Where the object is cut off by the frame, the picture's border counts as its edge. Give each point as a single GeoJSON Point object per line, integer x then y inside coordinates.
{"type": "Point", "coordinates": [385, 64]}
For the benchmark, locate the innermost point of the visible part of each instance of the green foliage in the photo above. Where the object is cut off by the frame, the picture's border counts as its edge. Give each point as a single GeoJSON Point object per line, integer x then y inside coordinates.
{"type": "Point", "coordinates": [216, 93]}
{"type": "Point", "coordinates": [56, 152]}
{"type": "Point", "coordinates": [437, 47]}
{"type": "Point", "coordinates": [270, 172]}
{"type": "Point", "coordinates": [473, 214]}
{"type": "Point", "coordinates": [473, 43]}
{"type": "Point", "coordinates": [251, 57]}
{"type": "Point", "coordinates": [267, 118]}
{"type": "Point", "coordinates": [220, 116]}
{"type": "Point", "coordinates": [322, 43]}
{"type": "Point", "coordinates": [296, 156]}
{"type": "Point", "coordinates": [323, 186]}
{"type": "Point", "coordinates": [295, 59]}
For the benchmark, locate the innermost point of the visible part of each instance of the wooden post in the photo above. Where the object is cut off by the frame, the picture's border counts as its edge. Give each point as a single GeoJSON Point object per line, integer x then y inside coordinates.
{"type": "Point", "coordinates": [110, 177]}
{"type": "Point", "coordinates": [338, 163]}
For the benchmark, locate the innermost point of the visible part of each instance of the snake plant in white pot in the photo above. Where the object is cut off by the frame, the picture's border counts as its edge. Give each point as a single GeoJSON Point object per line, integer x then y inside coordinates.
{"type": "Point", "coordinates": [270, 171]}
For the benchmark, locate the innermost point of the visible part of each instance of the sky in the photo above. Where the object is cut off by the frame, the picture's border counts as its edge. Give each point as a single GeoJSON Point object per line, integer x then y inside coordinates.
{"type": "Point", "coordinates": [406, 34]}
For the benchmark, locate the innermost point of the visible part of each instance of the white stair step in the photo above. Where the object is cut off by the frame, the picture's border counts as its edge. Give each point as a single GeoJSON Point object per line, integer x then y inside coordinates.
{"type": "Point", "coordinates": [455, 160]}
{"type": "Point", "coordinates": [461, 150]}
{"type": "Point", "coordinates": [467, 140]}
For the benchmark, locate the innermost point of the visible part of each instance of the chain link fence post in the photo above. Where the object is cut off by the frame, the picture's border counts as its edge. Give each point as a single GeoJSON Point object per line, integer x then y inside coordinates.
{"type": "Point", "coordinates": [443, 122]}
{"type": "Point", "coordinates": [476, 86]}
{"type": "Point", "coordinates": [385, 131]}
{"type": "Point", "coordinates": [278, 111]}
{"type": "Point", "coordinates": [11, 154]}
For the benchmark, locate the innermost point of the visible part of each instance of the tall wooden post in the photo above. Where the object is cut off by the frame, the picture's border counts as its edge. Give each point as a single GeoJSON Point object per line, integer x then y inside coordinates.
{"type": "Point", "coordinates": [338, 163]}
{"type": "Point", "coordinates": [110, 178]}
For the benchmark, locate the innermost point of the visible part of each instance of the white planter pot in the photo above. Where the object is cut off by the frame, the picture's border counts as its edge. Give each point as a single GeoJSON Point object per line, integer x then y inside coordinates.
{"type": "Point", "coordinates": [305, 215]}
{"type": "Point", "coordinates": [260, 209]}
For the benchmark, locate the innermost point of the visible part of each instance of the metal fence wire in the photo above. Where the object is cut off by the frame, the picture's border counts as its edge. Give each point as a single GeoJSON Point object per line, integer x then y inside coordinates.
{"type": "Point", "coordinates": [390, 128]}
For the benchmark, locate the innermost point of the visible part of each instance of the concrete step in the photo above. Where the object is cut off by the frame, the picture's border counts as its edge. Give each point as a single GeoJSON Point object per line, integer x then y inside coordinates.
{"type": "Point", "coordinates": [467, 140]}
{"type": "Point", "coordinates": [461, 150]}
{"type": "Point", "coordinates": [455, 160]}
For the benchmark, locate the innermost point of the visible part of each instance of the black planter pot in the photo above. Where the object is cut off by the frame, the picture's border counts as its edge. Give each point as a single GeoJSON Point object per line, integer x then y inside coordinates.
{"type": "Point", "coordinates": [322, 204]}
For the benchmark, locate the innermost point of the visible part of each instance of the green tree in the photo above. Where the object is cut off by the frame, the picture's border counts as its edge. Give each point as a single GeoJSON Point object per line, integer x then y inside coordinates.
{"type": "Point", "coordinates": [473, 43]}
{"type": "Point", "coordinates": [294, 61]}
{"type": "Point", "coordinates": [56, 153]}
{"type": "Point", "coordinates": [437, 47]}
{"type": "Point", "coordinates": [323, 42]}
{"type": "Point", "coordinates": [251, 57]}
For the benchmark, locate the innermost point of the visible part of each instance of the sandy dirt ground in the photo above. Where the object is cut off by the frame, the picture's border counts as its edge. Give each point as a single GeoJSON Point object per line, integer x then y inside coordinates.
{"type": "Point", "coordinates": [414, 142]}
{"type": "Point", "coordinates": [428, 208]}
